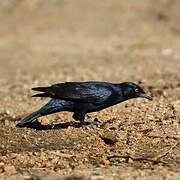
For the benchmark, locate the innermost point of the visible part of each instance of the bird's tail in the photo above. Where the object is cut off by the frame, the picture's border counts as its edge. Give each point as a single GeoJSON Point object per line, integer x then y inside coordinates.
{"type": "Point", "coordinates": [41, 89]}
{"type": "Point", "coordinates": [47, 92]}
{"type": "Point", "coordinates": [53, 106]}
{"type": "Point", "coordinates": [29, 119]}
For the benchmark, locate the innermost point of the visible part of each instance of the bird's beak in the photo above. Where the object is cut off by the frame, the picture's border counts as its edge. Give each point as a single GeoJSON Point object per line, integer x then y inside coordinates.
{"type": "Point", "coordinates": [147, 96]}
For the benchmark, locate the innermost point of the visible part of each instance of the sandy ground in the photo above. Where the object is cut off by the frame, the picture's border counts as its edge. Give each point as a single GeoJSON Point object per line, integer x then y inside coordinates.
{"type": "Point", "coordinates": [44, 42]}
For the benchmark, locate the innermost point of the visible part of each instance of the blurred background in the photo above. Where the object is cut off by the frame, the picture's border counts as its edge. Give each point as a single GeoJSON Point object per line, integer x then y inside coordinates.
{"type": "Point", "coordinates": [43, 42]}
{"type": "Point", "coordinates": [48, 41]}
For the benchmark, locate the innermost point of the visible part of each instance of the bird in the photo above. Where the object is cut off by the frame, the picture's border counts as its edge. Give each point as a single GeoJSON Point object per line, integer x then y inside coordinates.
{"type": "Point", "coordinates": [82, 98]}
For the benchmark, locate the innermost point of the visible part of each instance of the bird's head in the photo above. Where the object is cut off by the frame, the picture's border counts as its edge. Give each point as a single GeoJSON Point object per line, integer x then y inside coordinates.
{"type": "Point", "coordinates": [132, 90]}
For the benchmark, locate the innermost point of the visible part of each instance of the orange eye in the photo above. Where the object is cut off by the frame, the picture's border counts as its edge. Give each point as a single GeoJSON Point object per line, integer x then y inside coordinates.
{"type": "Point", "coordinates": [136, 90]}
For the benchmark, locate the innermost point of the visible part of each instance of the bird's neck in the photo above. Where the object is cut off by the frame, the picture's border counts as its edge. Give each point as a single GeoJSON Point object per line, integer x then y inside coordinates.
{"type": "Point", "coordinates": [121, 95]}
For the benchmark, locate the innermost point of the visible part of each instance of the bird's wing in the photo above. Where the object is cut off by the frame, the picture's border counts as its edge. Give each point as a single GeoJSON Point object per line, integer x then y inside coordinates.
{"type": "Point", "coordinates": [90, 92]}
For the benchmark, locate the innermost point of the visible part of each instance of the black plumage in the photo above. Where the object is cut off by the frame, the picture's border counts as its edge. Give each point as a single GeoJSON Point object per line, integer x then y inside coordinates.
{"type": "Point", "coordinates": [83, 97]}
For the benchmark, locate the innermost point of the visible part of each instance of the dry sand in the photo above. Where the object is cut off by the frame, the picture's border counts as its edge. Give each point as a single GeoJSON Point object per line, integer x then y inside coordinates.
{"type": "Point", "coordinates": [43, 42]}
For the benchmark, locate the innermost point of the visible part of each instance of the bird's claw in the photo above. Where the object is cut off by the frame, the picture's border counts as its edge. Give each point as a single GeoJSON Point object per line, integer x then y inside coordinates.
{"type": "Point", "coordinates": [91, 123]}
{"type": "Point", "coordinates": [52, 126]}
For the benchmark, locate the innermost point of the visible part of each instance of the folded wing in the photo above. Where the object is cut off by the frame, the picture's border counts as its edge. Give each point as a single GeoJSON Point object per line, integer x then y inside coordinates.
{"type": "Point", "coordinates": [90, 92]}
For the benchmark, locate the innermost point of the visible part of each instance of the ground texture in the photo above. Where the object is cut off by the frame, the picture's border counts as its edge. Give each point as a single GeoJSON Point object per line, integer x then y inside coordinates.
{"type": "Point", "coordinates": [44, 42]}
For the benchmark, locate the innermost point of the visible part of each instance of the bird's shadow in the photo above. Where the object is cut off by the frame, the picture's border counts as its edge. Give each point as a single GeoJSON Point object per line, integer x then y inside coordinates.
{"type": "Point", "coordinates": [38, 126]}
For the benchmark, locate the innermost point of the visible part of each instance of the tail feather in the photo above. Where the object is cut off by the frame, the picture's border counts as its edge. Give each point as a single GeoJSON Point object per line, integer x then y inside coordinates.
{"type": "Point", "coordinates": [53, 106]}
{"type": "Point", "coordinates": [47, 92]}
{"type": "Point", "coordinates": [43, 95]}
{"type": "Point", "coordinates": [41, 89]}
{"type": "Point", "coordinates": [29, 119]}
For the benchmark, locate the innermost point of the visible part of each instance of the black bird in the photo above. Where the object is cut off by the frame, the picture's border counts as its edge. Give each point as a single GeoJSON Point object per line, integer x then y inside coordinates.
{"type": "Point", "coordinates": [83, 97]}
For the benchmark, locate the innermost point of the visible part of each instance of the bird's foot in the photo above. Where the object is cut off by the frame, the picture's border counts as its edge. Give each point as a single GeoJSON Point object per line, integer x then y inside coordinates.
{"type": "Point", "coordinates": [91, 123]}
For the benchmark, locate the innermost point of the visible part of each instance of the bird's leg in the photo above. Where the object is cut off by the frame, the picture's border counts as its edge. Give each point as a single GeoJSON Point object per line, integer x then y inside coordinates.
{"type": "Point", "coordinates": [81, 117]}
